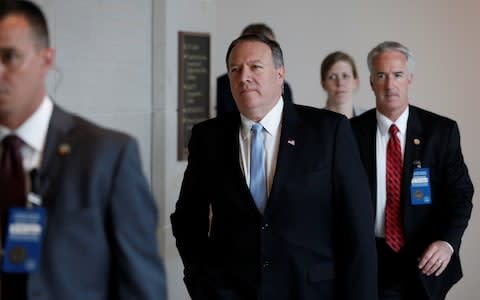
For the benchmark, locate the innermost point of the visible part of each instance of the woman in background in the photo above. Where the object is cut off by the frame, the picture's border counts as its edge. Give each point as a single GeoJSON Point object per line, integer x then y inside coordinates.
{"type": "Point", "coordinates": [339, 79]}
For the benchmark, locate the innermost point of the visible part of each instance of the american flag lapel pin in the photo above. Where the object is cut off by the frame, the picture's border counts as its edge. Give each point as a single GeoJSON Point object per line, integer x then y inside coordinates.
{"type": "Point", "coordinates": [64, 149]}
{"type": "Point", "coordinates": [291, 142]}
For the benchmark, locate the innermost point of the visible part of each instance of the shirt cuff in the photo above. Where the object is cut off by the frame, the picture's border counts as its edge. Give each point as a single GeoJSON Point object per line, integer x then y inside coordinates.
{"type": "Point", "coordinates": [449, 246]}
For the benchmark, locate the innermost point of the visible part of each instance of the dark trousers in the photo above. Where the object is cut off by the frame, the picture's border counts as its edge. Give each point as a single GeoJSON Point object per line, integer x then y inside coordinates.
{"type": "Point", "coordinates": [398, 276]}
{"type": "Point", "coordinates": [13, 286]}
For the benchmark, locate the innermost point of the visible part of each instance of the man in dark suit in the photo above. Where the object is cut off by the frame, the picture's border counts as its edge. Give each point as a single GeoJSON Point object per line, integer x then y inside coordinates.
{"type": "Point", "coordinates": [225, 101]}
{"type": "Point", "coordinates": [99, 240]}
{"type": "Point", "coordinates": [296, 225]}
{"type": "Point", "coordinates": [434, 191]}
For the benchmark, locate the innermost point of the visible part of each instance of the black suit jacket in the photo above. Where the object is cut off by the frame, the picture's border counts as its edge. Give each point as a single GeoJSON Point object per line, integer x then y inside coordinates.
{"type": "Point", "coordinates": [100, 239]}
{"type": "Point", "coordinates": [315, 239]}
{"type": "Point", "coordinates": [225, 101]}
{"type": "Point", "coordinates": [451, 188]}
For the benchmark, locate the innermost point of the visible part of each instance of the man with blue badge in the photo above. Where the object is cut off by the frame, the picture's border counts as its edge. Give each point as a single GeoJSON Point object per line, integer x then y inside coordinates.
{"type": "Point", "coordinates": [419, 181]}
{"type": "Point", "coordinates": [77, 219]}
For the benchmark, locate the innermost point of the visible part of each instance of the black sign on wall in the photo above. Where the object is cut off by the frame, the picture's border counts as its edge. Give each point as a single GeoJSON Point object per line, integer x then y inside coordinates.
{"type": "Point", "coordinates": [193, 85]}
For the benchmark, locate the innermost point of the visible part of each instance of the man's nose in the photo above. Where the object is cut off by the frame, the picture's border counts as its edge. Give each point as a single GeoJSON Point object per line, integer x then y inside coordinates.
{"type": "Point", "coordinates": [245, 75]}
{"type": "Point", "coordinates": [390, 81]}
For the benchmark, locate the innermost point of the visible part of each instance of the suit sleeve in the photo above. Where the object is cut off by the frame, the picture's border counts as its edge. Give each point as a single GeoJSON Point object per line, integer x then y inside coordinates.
{"type": "Point", "coordinates": [190, 221]}
{"type": "Point", "coordinates": [459, 192]}
{"type": "Point", "coordinates": [137, 267]}
{"type": "Point", "coordinates": [354, 220]}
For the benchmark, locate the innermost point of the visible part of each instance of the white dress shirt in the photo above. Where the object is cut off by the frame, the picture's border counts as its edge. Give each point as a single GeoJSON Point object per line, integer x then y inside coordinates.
{"type": "Point", "coordinates": [33, 133]}
{"type": "Point", "coordinates": [382, 137]}
{"type": "Point", "coordinates": [271, 123]}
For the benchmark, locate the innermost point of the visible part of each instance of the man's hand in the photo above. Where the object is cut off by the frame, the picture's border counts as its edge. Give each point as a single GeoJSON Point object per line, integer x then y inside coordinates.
{"type": "Point", "coordinates": [435, 258]}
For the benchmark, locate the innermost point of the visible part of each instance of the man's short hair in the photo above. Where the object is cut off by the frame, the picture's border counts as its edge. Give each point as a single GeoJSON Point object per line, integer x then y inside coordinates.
{"type": "Point", "coordinates": [277, 53]}
{"type": "Point", "coordinates": [391, 46]}
{"type": "Point", "coordinates": [34, 16]}
{"type": "Point", "coordinates": [260, 29]}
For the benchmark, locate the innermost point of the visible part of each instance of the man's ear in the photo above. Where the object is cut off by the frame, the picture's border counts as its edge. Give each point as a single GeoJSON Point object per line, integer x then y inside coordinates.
{"type": "Point", "coordinates": [281, 73]}
{"type": "Point", "coordinates": [48, 56]}
{"type": "Point", "coordinates": [410, 78]}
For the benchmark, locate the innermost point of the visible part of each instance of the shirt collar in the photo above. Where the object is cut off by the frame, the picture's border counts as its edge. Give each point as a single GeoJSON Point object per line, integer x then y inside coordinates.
{"type": "Point", "coordinates": [33, 131]}
{"type": "Point", "coordinates": [384, 123]}
{"type": "Point", "coordinates": [270, 122]}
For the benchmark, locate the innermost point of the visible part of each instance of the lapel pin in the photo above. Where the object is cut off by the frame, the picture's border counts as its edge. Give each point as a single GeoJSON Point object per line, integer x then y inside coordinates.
{"type": "Point", "coordinates": [291, 142]}
{"type": "Point", "coordinates": [416, 141]}
{"type": "Point", "coordinates": [64, 149]}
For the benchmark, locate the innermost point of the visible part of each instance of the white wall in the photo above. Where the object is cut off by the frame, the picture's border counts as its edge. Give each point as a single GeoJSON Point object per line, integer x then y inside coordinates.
{"type": "Point", "coordinates": [170, 17]}
{"type": "Point", "coordinates": [103, 63]}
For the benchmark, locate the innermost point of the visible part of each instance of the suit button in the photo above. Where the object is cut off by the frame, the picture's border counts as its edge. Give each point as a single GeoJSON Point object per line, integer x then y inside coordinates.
{"type": "Point", "coordinates": [265, 226]}
{"type": "Point", "coordinates": [266, 264]}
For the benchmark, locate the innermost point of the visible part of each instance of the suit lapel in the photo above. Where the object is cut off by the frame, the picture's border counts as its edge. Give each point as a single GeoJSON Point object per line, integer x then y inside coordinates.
{"type": "Point", "coordinates": [56, 148]}
{"type": "Point", "coordinates": [291, 136]}
{"type": "Point", "coordinates": [236, 183]}
{"type": "Point", "coordinates": [367, 132]}
{"type": "Point", "coordinates": [412, 153]}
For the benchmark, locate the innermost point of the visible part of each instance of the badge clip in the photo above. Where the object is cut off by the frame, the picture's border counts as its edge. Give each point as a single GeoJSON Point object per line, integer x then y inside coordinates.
{"type": "Point", "coordinates": [417, 163]}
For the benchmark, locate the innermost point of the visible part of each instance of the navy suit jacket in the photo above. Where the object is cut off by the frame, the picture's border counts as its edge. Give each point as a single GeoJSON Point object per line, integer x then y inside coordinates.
{"type": "Point", "coordinates": [100, 238]}
{"type": "Point", "coordinates": [315, 239]}
{"type": "Point", "coordinates": [451, 188]}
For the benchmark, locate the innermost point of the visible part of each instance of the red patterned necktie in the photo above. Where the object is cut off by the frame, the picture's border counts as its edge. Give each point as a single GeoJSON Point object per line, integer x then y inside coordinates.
{"type": "Point", "coordinates": [394, 234]}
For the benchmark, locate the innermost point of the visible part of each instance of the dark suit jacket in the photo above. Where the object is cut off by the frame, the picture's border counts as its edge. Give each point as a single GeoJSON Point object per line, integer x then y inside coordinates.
{"type": "Point", "coordinates": [451, 188]}
{"type": "Point", "coordinates": [225, 101]}
{"type": "Point", "coordinates": [100, 238]}
{"type": "Point", "coordinates": [315, 240]}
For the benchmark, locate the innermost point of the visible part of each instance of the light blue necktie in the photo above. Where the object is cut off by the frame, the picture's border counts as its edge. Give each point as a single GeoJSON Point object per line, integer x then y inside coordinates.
{"type": "Point", "coordinates": [258, 181]}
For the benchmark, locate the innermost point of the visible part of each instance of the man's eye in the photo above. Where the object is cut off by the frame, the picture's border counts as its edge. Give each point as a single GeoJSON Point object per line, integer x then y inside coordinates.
{"type": "Point", "coordinates": [7, 56]}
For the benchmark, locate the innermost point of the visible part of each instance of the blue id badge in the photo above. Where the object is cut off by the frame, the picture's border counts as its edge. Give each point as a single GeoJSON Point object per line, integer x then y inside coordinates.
{"type": "Point", "coordinates": [23, 240]}
{"type": "Point", "coordinates": [420, 187]}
